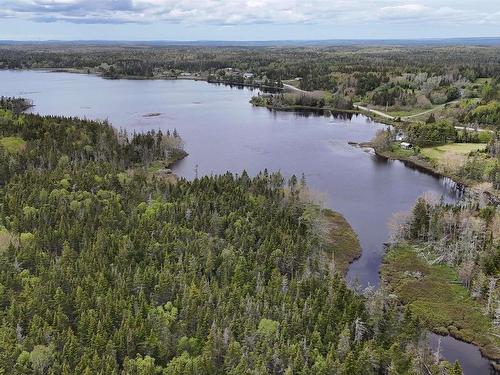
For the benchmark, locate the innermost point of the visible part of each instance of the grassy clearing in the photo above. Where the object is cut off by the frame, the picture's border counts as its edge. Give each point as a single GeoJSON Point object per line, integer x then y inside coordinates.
{"type": "Point", "coordinates": [13, 144]}
{"type": "Point", "coordinates": [412, 111]}
{"type": "Point", "coordinates": [437, 153]}
{"type": "Point", "coordinates": [345, 245]}
{"type": "Point", "coordinates": [450, 158]}
{"type": "Point", "coordinates": [434, 293]}
{"type": "Point", "coordinates": [401, 153]}
{"type": "Point", "coordinates": [292, 82]}
{"type": "Point", "coordinates": [483, 81]}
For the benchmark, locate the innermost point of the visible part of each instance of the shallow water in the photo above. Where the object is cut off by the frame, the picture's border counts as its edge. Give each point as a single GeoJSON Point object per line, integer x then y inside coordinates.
{"type": "Point", "coordinates": [223, 132]}
{"type": "Point", "coordinates": [455, 350]}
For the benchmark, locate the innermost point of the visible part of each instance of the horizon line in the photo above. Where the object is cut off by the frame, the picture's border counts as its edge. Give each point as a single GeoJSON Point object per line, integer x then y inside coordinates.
{"type": "Point", "coordinates": [249, 40]}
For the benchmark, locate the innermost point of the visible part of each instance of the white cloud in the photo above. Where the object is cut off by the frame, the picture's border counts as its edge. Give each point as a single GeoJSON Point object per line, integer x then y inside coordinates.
{"type": "Point", "coordinates": [229, 12]}
{"type": "Point", "coordinates": [403, 11]}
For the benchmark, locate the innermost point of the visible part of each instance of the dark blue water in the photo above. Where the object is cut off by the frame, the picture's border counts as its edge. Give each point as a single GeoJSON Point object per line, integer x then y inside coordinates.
{"type": "Point", "coordinates": [223, 132]}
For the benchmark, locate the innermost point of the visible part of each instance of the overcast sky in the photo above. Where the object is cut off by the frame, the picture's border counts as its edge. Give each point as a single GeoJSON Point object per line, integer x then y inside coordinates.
{"type": "Point", "coordinates": [246, 19]}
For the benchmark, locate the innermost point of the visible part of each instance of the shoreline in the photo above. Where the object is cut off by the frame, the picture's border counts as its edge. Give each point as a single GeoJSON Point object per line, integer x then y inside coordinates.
{"type": "Point", "coordinates": [345, 247]}
{"type": "Point", "coordinates": [426, 167]}
{"type": "Point", "coordinates": [144, 78]}
{"type": "Point", "coordinates": [412, 162]}
{"type": "Point", "coordinates": [292, 108]}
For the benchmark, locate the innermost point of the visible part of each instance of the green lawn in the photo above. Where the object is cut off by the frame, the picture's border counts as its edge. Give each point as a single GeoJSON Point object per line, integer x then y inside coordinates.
{"type": "Point", "coordinates": [434, 293]}
{"type": "Point", "coordinates": [462, 149]}
{"type": "Point", "coordinates": [13, 144]}
{"type": "Point", "coordinates": [401, 153]}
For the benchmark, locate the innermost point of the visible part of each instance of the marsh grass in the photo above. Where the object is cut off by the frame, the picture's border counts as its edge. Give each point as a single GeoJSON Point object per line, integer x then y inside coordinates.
{"type": "Point", "coordinates": [434, 293]}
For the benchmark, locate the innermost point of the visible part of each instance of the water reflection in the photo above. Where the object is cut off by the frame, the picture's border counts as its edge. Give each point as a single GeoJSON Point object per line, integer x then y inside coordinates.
{"type": "Point", "coordinates": [455, 350]}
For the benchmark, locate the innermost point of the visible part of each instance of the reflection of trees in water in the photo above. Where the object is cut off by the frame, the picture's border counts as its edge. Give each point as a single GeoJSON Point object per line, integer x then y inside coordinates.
{"type": "Point", "coordinates": [251, 87]}
{"type": "Point", "coordinates": [337, 115]}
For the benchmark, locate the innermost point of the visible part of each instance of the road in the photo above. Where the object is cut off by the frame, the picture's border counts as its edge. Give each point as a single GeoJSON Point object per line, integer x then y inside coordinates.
{"type": "Point", "coordinates": [386, 115]}
{"type": "Point", "coordinates": [380, 113]}
{"type": "Point", "coordinates": [296, 89]}
{"type": "Point", "coordinates": [404, 118]}
{"type": "Point", "coordinates": [429, 110]}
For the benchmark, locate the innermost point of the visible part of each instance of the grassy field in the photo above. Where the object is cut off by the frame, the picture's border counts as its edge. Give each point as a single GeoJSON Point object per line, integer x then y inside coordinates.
{"type": "Point", "coordinates": [482, 81]}
{"type": "Point", "coordinates": [411, 112]}
{"type": "Point", "coordinates": [13, 144]}
{"type": "Point", "coordinates": [292, 82]}
{"type": "Point", "coordinates": [457, 148]}
{"type": "Point", "coordinates": [345, 244]}
{"type": "Point", "coordinates": [399, 152]}
{"type": "Point", "coordinates": [434, 293]}
{"type": "Point", "coordinates": [451, 156]}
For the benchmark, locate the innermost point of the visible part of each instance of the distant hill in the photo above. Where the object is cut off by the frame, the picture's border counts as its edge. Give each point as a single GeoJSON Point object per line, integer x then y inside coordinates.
{"type": "Point", "coordinates": [479, 41]}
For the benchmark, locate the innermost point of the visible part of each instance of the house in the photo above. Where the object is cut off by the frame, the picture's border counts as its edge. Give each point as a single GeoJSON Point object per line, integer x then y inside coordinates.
{"type": "Point", "coordinates": [247, 75]}
{"type": "Point", "coordinates": [400, 137]}
{"type": "Point", "coordinates": [406, 145]}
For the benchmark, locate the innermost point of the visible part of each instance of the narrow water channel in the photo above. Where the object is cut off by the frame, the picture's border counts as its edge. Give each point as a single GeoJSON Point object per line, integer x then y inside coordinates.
{"type": "Point", "coordinates": [223, 132]}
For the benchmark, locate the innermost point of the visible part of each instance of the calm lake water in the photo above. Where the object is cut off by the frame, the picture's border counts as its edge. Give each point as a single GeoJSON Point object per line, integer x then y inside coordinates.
{"type": "Point", "coordinates": [223, 132]}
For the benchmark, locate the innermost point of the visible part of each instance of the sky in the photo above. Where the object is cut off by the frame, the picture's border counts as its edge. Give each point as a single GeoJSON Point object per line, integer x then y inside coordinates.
{"type": "Point", "coordinates": [184, 20]}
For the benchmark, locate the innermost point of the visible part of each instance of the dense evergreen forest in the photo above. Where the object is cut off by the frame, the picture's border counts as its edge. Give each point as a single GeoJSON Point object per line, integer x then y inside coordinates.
{"type": "Point", "coordinates": [314, 64]}
{"type": "Point", "coordinates": [108, 269]}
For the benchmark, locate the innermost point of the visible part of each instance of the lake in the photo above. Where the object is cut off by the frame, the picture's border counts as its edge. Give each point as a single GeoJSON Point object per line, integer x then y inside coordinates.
{"type": "Point", "coordinates": [223, 132]}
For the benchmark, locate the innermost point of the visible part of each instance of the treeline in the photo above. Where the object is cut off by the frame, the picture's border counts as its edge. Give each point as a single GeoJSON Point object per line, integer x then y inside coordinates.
{"type": "Point", "coordinates": [239, 80]}
{"type": "Point", "coordinates": [317, 66]}
{"type": "Point", "coordinates": [464, 236]}
{"type": "Point", "coordinates": [15, 105]}
{"type": "Point", "coordinates": [52, 140]}
{"type": "Point", "coordinates": [103, 271]}
{"type": "Point", "coordinates": [432, 133]}
{"type": "Point", "coordinates": [286, 100]}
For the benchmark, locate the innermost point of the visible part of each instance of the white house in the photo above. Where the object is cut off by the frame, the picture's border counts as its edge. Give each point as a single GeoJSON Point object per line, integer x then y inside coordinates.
{"type": "Point", "coordinates": [247, 75]}
{"type": "Point", "coordinates": [400, 137]}
{"type": "Point", "coordinates": [406, 145]}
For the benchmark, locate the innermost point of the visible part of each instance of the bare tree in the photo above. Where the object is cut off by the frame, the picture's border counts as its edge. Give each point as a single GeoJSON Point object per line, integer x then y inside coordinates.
{"type": "Point", "coordinates": [491, 291]}
{"type": "Point", "coordinates": [466, 273]}
{"type": "Point", "coordinates": [399, 226]}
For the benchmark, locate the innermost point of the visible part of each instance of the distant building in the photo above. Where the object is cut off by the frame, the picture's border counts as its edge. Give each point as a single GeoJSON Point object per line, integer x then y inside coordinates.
{"type": "Point", "coordinates": [400, 137]}
{"type": "Point", "coordinates": [406, 145]}
{"type": "Point", "coordinates": [247, 75]}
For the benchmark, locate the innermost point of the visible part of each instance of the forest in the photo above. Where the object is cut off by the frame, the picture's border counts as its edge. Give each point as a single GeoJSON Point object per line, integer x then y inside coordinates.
{"type": "Point", "coordinates": [106, 268]}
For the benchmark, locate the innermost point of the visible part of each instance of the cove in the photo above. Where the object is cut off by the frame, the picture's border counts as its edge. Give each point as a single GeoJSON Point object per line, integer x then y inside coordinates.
{"type": "Point", "coordinates": [223, 132]}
